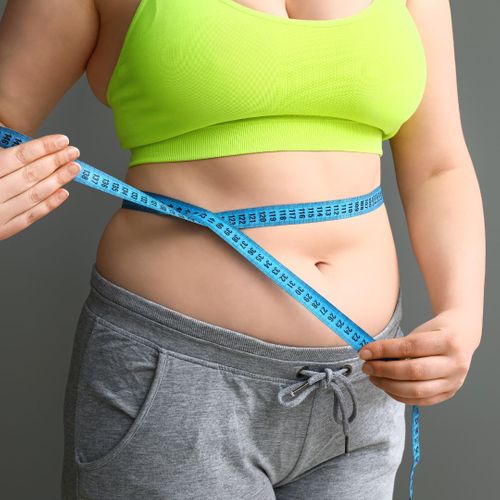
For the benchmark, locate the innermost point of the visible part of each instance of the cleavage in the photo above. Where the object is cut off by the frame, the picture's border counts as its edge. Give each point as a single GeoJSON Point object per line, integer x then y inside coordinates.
{"type": "Point", "coordinates": [308, 9]}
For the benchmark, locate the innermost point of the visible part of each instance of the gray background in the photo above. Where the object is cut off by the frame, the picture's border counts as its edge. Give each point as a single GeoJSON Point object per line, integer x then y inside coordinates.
{"type": "Point", "coordinates": [44, 279]}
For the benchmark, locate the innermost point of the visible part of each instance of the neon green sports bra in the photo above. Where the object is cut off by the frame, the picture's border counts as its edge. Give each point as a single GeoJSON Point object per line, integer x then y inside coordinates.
{"type": "Point", "coordinates": [200, 79]}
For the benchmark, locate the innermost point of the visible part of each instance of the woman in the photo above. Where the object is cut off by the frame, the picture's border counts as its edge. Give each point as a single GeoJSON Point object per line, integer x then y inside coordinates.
{"type": "Point", "coordinates": [182, 347]}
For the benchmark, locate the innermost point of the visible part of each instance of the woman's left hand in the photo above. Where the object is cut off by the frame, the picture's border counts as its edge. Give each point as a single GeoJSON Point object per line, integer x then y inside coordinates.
{"type": "Point", "coordinates": [433, 360]}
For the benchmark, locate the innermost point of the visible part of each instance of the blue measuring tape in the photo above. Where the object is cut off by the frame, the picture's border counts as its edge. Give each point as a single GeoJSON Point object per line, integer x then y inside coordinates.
{"type": "Point", "coordinates": [225, 225]}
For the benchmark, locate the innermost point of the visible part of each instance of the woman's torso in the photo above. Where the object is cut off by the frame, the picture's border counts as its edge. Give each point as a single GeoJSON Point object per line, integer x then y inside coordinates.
{"type": "Point", "coordinates": [351, 262]}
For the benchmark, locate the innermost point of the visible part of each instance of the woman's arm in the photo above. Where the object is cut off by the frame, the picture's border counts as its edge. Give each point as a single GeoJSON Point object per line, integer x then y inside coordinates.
{"type": "Point", "coordinates": [443, 208]}
{"type": "Point", "coordinates": [438, 184]}
{"type": "Point", "coordinates": [44, 48]}
{"type": "Point", "coordinates": [446, 227]}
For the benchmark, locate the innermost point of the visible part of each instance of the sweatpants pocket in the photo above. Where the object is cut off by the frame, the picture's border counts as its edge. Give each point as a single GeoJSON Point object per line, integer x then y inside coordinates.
{"type": "Point", "coordinates": [117, 385]}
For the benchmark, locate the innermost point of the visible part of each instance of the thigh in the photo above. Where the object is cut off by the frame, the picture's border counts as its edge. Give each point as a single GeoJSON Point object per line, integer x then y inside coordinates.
{"type": "Point", "coordinates": [359, 475]}
{"type": "Point", "coordinates": [143, 422]}
{"type": "Point", "coordinates": [366, 473]}
{"type": "Point", "coordinates": [112, 386]}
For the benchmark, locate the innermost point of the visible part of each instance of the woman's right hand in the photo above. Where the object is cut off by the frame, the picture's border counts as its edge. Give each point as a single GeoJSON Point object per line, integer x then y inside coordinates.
{"type": "Point", "coordinates": [31, 176]}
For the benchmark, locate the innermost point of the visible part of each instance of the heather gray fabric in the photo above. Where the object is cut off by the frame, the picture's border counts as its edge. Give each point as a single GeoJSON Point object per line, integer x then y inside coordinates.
{"type": "Point", "coordinates": [160, 405]}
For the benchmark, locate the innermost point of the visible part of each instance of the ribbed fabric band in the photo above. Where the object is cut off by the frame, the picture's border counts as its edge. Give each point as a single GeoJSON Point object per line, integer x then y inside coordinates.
{"type": "Point", "coordinates": [271, 133]}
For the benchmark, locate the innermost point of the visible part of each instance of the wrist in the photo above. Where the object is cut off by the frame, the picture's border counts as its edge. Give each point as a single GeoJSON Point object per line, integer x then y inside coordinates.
{"type": "Point", "coordinates": [465, 322]}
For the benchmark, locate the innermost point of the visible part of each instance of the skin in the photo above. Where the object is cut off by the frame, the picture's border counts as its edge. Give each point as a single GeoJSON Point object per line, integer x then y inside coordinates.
{"type": "Point", "coordinates": [344, 260]}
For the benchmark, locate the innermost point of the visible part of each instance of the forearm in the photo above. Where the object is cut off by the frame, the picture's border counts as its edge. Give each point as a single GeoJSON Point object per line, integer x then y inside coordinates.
{"type": "Point", "coordinates": [446, 227]}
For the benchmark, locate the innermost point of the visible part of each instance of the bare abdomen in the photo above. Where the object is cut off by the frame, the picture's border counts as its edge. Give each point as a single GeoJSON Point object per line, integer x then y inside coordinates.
{"type": "Point", "coordinates": [188, 268]}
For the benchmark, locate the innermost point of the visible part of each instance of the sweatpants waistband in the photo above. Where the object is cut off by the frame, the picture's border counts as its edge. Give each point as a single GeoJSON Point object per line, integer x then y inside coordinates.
{"type": "Point", "coordinates": [182, 334]}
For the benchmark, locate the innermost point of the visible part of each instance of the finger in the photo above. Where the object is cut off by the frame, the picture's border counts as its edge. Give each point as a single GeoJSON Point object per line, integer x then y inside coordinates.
{"type": "Point", "coordinates": [413, 389]}
{"type": "Point", "coordinates": [16, 157]}
{"type": "Point", "coordinates": [40, 210]}
{"type": "Point", "coordinates": [40, 191]}
{"type": "Point", "coordinates": [438, 398]}
{"type": "Point", "coordinates": [423, 368]}
{"type": "Point", "coordinates": [28, 176]}
{"type": "Point", "coordinates": [412, 345]}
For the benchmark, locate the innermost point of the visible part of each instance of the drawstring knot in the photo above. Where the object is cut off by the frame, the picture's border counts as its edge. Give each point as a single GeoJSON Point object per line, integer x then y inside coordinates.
{"type": "Point", "coordinates": [328, 378]}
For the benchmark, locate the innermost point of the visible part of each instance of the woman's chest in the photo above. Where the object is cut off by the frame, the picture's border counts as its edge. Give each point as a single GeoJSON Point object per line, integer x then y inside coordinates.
{"type": "Point", "coordinates": [117, 16]}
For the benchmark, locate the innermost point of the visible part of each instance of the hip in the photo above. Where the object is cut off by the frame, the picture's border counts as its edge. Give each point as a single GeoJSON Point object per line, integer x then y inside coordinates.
{"type": "Point", "coordinates": [150, 389]}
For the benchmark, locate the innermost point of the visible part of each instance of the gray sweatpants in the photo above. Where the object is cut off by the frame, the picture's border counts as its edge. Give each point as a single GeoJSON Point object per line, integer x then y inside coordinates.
{"type": "Point", "coordinates": [160, 405]}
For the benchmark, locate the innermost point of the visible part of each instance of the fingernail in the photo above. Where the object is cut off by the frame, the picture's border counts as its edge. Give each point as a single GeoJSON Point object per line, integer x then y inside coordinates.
{"type": "Point", "coordinates": [62, 140]}
{"type": "Point", "coordinates": [365, 354]}
{"type": "Point", "coordinates": [74, 168]}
